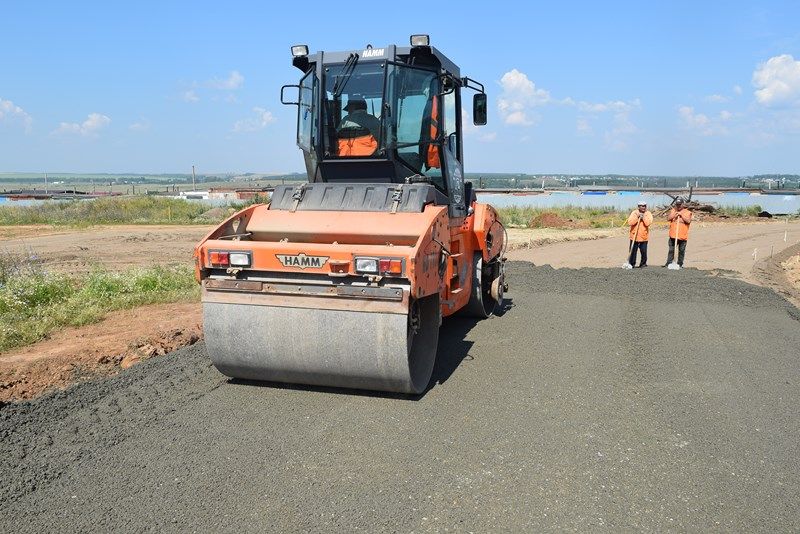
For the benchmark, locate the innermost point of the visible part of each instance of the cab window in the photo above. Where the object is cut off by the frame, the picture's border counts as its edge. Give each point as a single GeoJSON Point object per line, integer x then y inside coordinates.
{"type": "Point", "coordinates": [352, 107]}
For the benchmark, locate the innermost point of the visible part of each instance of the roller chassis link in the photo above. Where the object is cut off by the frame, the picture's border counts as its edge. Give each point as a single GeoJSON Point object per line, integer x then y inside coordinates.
{"type": "Point", "coordinates": [488, 287]}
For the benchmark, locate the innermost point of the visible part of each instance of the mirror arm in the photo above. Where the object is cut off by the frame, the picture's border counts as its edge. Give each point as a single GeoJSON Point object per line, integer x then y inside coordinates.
{"type": "Point", "coordinates": [469, 83]}
{"type": "Point", "coordinates": [446, 90]}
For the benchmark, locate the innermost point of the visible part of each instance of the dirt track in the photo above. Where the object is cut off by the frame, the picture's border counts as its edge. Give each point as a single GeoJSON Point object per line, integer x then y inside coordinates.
{"type": "Point", "coordinates": [601, 399]}
{"type": "Point", "coordinates": [113, 247]}
{"type": "Point", "coordinates": [728, 246]}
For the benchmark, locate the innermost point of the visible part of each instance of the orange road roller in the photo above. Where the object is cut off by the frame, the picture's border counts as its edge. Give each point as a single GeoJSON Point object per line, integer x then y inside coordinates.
{"type": "Point", "coordinates": [343, 280]}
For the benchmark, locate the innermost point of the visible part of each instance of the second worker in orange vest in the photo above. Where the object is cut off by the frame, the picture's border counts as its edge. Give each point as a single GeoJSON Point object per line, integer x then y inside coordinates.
{"type": "Point", "coordinates": [679, 220]}
{"type": "Point", "coordinates": [639, 220]}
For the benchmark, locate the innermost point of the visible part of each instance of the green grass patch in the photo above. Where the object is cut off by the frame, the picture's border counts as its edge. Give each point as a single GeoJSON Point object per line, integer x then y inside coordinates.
{"type": "Point", "coordinates": [258, 198]}
{"type": "Point", "coordinates": [114, 210]}
{"type": "Point", "coordinates": [739, 211]}
{"type": "Point", "coordinates": [561, 217]}
{"type": "Point", "coordinates": [34, 303]}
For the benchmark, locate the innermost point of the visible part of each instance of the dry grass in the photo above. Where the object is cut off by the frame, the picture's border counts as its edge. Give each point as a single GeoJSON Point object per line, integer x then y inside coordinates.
{"type": "Point", "coordinates": [531, 237]}
{"type": "Point", "coordinates": [112, 210]}
{"type": "Point", "coordinates": [562, 217]}
{"type": "Point", "coordinates": [35, 302]}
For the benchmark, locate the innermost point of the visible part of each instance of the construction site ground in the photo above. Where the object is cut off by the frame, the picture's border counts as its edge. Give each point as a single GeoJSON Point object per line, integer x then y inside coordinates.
{"type": "Point", "coordinates": [602, 398]}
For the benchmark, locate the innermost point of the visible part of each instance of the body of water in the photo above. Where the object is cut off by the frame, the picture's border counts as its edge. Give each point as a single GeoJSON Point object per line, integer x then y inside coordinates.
{"type": "Point", "coordinates": [623, 200]}
{"type": "Point", "coordinates": [626, 200]}
{"type": "Point", "coordinates": [5, 202]}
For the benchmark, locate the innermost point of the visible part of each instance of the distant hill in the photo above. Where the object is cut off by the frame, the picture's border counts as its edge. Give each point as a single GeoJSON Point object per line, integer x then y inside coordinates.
{"type": "Point", "coordinates": [516, 180]}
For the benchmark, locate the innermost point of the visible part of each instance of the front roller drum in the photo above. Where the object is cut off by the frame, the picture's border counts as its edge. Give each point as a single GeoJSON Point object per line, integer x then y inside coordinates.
{"type": "Point", "coordinates": [337, 348]}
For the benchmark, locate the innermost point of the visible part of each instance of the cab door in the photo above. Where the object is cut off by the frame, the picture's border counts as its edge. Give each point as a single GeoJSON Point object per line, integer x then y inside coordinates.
{"type": "Point", "coordinates": [307, 119]}
{"type": "Point", "coordinates": [453, 167]}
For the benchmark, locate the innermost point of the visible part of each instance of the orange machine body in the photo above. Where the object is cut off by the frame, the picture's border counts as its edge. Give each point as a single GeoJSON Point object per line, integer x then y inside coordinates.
{"type": "Point", "coordinates": [308, 258]}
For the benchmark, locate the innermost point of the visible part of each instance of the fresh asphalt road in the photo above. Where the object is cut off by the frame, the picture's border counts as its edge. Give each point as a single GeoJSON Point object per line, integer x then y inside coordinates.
{"type": "Point", "coordinates": [601, 399]}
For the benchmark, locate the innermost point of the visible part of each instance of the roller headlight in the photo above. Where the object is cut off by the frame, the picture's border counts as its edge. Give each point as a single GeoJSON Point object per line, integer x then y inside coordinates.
{"type": "Point", "coordinates": [239, 259]}
{"type": "Point", "coordinates": [367, 265]}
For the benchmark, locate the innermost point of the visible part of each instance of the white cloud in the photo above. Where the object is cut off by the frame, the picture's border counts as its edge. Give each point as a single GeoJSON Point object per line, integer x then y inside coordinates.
{"type": "Point", "coordinates": [520, 95]}
{"type": "Point", "coordinates": [621, 129]}
{"type": "Point", "coordinates": [717, 99]}
{"type": "Point", "coordinates": [9, 111]}
{"type": "Point", "coordinates": [467, 126]}
{"type": "Point", "coordinates": [703, 124]}
{"type": "Point", "coordinates": [692, 119]}
{"type": "Point", "coordinates": [234, 81]}
{"type": "Point", "coordinates": [190, 96]}
{"type": "Point", "coordinates": [617, 106]}
{"type": "Point", "coordinates": [141, 125]}
{"type": "Point", "coordinates": [260, 119]}
{"type": "Point", "coordinates": [737, 89]}
{"type": "Point", "coordinates": [520, 118]}
{"type": "Point", "coordinates": [777, 81]}
{"type": "Point", "coordinates": [93, 124]}
{"type": "Point", "coordinates": [588, 107]}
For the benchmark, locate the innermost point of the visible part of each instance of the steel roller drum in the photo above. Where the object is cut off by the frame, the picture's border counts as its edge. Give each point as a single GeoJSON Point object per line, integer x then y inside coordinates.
{"type": "Point", "coordinates": [324, 347]}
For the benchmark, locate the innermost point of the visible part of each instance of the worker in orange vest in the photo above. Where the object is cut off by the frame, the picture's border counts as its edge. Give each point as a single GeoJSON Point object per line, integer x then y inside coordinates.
{"type": "Point", "coordinates": [359, 131]}
{"type": "Point", "coordinates": [639, 220]}
{"type": "Point", "coordinates": [679, 220]}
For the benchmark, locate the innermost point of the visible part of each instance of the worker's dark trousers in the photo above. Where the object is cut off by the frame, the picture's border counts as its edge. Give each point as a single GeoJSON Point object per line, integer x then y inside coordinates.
{"type": "Point", "coordinates": [681, 251]}
{"type": "Point", "coordinates": [642, 246]}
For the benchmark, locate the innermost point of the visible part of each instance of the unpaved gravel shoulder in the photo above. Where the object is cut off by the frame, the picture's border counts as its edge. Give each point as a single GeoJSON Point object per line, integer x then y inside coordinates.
{"type": "Point", "coordinates": [730, 246]}
{"type": "Point", "coordinates": [45, 437]}
{"type": "Point", "coordinates": [111, 247]}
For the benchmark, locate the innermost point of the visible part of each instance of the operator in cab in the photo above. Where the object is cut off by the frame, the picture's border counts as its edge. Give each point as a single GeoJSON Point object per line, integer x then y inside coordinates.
{"type": "Point", "coordinates": [359, 131]}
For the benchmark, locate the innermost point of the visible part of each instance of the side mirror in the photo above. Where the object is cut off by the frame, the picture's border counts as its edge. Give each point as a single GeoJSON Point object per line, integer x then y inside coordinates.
{"type": "Point", "coordinates": [296, 101]}
{"type": "Point", "coordinates": [479, 109]}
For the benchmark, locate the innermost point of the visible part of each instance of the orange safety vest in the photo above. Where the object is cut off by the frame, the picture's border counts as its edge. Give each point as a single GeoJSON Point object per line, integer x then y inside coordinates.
{"type": "Point", "coordinates": [433, 150]}
{"type": "Point", "coordinates": [683, 229]}
{"type": "Point", "coordinates": [644, 227]}
{"type": "Point", "coordinates": [364, 145]}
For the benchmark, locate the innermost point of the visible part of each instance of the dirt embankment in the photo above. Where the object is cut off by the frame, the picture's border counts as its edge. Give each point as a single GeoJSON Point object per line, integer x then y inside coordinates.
{"type": "Point", "coordinates": [122, 339]}
{"type": "Point", "coordinates": [792, 269]}
{"type": "Point", "coordinates": [781, 273]}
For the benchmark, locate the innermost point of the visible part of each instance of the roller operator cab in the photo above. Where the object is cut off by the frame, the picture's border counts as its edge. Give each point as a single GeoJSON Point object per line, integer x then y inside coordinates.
{"type": "Point", "coordinates": [384, 115]}
{"type": "Point", "coordinates": [343, 281]}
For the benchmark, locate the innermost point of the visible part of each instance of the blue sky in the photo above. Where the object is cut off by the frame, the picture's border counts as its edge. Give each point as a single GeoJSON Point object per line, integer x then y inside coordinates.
{"type": "Point", "coordinates": [684, 88]}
